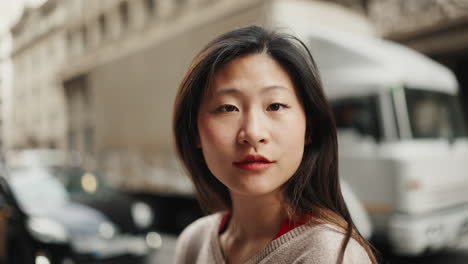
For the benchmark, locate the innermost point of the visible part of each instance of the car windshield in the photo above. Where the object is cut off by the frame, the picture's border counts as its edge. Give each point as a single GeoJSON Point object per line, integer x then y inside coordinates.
{"type": "Point", "coordinates": [434, 114]}
{"type": "Point", "coordinates": [79, 182]}
{"type": "Point", "coordinates": [38, 188]}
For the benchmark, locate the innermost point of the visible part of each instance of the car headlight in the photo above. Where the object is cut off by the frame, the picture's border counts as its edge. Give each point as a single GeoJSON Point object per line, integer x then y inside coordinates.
{"type": "Point", "coordinates": [47, 230]}
{"type": "Point", "coordinates": [142, 214]}
{"type": "Point", "coordinates": [107, 230]}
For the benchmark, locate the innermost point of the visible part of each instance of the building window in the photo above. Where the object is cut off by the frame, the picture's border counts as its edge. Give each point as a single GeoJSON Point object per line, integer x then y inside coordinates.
{"type": "Point", "coordinates": [150, 7]}
{"type": "Point", "coordinates": [123, 11]}
{"type": "Point", "coordinates": [102, 26]}
{"type": "Point", "coordinates": [80, 136]}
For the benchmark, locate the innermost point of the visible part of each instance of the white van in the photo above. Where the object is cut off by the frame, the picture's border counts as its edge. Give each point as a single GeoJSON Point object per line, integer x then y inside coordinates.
{"type": "Point", "coordinates": [402, 138]}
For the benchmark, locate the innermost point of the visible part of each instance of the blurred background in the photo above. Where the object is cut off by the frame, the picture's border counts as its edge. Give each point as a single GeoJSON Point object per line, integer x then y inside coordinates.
{"type": "Point", "coordinates": [88, 167]}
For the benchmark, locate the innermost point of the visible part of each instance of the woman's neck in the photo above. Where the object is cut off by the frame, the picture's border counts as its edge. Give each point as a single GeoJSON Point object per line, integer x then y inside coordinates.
{"type": "Point", "coordinates": [256, 217]}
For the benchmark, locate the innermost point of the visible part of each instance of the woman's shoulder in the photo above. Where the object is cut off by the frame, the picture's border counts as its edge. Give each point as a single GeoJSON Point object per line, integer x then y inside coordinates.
{"type": "Point", "coordinates": [326, 233]}
{"type": "Point", "coordinates": [325, 240]}
{"type": "Point", "coordinates": [195, 236]}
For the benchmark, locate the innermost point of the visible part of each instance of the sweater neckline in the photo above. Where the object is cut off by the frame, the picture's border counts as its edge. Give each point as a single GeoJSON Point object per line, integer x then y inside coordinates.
{"type": "Point", "coordinates": [284, 235]}
{"type": "Point", "coordinates": [287, 225]}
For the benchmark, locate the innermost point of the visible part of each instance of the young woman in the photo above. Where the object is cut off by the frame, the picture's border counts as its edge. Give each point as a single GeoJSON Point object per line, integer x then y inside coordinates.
{"type": "Point", "coordinates": [253, 128]}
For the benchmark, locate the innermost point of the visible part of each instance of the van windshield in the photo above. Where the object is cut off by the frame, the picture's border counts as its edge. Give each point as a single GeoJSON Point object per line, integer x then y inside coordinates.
{"type": "Point", "coordinates": [434, 114]}
{"type": "Point", "coordinates": [358, 114]}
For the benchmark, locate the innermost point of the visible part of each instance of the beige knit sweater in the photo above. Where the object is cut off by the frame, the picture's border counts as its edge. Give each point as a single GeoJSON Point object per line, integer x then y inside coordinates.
{"type": "Point", "coordinates": [308, 243]}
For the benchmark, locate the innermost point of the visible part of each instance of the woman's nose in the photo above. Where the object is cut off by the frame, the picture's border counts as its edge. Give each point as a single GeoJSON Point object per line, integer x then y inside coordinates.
{"type": "Point", "coordinates": [253, 131]}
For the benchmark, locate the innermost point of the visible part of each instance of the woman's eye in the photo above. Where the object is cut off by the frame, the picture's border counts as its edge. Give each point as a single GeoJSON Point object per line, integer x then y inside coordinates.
{"type": "Point", "coordinates": [276, 107]}
{"type": "Point", "coordinates": [227, 108]}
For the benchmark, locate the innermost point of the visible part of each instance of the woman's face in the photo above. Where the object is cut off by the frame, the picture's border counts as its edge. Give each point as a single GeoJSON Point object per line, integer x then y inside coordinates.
{"type": "Point", "coordinates": [252, 126]}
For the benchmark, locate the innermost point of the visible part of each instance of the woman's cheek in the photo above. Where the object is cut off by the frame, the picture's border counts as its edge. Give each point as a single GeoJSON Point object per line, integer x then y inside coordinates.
{"type": "Point", "coordinates": [216, 134]}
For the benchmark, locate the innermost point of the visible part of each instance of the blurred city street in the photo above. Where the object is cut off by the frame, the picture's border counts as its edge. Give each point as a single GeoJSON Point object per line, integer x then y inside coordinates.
{"type": "Point", "coordinates": [89, 171]}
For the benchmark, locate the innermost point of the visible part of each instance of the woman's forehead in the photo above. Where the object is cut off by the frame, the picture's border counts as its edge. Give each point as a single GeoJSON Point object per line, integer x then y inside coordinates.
{"type": "Point", "coordinates": [257, 72]}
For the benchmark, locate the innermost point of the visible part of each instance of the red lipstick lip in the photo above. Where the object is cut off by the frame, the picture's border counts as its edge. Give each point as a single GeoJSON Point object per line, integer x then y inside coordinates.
{"type": "Point", "coordinates": [254, 163]}
{"type": "Point", "coordinates": [253, 158]}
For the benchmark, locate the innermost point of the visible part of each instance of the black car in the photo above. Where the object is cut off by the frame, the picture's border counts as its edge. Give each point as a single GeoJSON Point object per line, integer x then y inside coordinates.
{"type": "Point", "coordinates": [68, 215]}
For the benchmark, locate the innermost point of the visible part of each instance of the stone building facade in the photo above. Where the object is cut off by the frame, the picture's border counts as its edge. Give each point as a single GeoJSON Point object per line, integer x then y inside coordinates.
{"type": "Point", "coordinates": [37, 114]}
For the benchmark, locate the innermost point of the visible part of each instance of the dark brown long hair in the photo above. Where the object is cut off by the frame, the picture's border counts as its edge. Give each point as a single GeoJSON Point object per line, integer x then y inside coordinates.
{"type": "Point", "coordinates": [314, 188]}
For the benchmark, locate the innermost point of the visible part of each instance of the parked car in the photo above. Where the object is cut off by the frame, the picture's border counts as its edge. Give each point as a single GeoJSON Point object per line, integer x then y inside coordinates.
{"type": "Point", "coordinates": [68, 215]}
